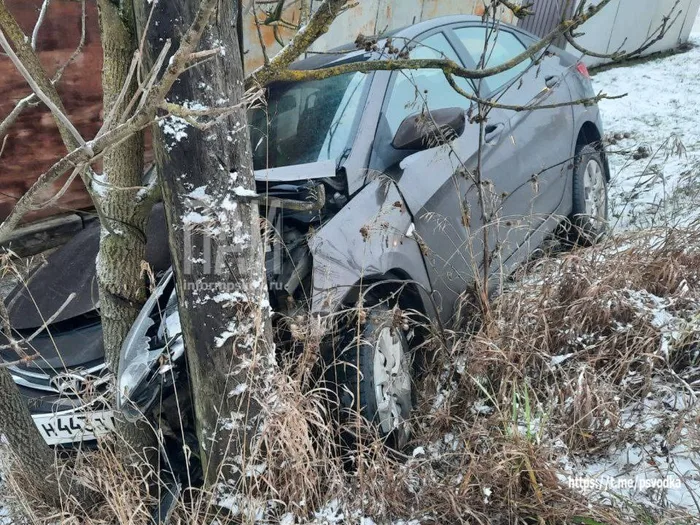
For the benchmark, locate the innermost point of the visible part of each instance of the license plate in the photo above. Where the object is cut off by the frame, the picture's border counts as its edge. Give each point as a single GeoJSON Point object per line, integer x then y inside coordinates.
{"type": "Point", "coordinates": [74, 426]}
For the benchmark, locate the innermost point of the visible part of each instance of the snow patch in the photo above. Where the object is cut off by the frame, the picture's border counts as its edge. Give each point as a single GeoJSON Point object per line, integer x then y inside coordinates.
{"type": "Point", "coordinates": [659, 116]}
{"type": "Point", "coordinates": [244, 192]}
{"type": "Point", "coordinates": [174, 129]}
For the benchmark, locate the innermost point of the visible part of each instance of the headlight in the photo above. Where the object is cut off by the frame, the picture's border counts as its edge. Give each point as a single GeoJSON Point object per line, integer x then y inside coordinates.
{"type": "Point", "coordinates": [138, 358]}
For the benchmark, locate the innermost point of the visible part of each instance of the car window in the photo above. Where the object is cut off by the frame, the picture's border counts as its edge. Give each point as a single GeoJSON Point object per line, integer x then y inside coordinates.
{"type": "Point", "coordinates": [414, 90]}
{"type": "Point", "coordinates": [306, 121]}
{"type": "Point", "coordinates": [502, 46]}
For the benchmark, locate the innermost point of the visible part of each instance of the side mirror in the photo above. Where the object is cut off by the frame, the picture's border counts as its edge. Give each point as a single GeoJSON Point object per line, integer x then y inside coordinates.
{"type": "Point", "coordinates": [429, 129]}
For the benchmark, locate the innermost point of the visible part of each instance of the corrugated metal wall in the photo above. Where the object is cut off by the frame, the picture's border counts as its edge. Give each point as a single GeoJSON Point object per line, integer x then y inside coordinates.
{"type": "Point", "coordinates": [621, 25]}
{"type": "Point", "coordinates": [548, 13]}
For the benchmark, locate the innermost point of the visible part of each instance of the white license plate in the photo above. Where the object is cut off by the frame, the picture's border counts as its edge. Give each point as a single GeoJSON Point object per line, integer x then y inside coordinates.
{"type": "Point", "coordinates": [74, 426]}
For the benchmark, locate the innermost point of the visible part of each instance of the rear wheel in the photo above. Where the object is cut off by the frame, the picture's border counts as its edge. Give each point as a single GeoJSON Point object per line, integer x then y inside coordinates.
{"type": "Point", "coordinates": [590, 197]}
{"type": "Point", "coordinates": [373, 375]}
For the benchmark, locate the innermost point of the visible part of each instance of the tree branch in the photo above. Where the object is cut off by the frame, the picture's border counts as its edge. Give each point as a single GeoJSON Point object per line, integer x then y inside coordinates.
{"type": "Point", "coordinates": [32, 64]}
{"type": "Point", "coordinates": [78, 49]}
{"type": "Point", "coordinates": [519, 11]}
{"type": "Point", "coordinates": [530, 107]}
{"type": "Point", "coordinates": [618, 56]}
{"type": "Point", "coordinates": [319, 24]}
{"type": "Point", "coordinates": [32, 99]}
{"type": "Point", "coordinates": [59, 115]}
{"type": "Point", "coordinates": [16, 111]}
{"type": "Point", "coordinates": [277, 70]}
{"type": "Point", "coordinates": [263, 47]}
{"type": "Point", "coordinates": [39, 21]}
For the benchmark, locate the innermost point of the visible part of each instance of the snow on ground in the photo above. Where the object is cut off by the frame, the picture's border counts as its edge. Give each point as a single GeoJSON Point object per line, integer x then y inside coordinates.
{"type": "Point", "coordinates": [653, 140]}
{"type": "Point", "coordinates": [661, 114]}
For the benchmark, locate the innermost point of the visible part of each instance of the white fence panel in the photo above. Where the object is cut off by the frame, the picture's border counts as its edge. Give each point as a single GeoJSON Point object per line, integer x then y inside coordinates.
{"type": "Point", "coordinates": [672, 37]}
{"type": "Point", "coordinates": [690, 16]}
{"type": "Point", "coordinates": [597, 32]}
{"type": "Point", "coordinates": [632, 24]}
{"type": "Point", "coordinates": [626, 24]}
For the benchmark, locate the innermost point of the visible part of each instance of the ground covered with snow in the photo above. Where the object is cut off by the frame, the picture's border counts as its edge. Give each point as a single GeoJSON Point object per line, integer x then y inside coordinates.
{"type": "Point", "coordinates": [656, 170]}
{"type": "Point", "coordinates": [653, 140]}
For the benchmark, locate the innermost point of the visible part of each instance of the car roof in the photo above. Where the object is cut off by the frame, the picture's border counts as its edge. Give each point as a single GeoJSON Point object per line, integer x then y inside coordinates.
{"type": "Point", "coordinates": [415, 30]}
{"type": "Point", "coordinates": [352, 51]}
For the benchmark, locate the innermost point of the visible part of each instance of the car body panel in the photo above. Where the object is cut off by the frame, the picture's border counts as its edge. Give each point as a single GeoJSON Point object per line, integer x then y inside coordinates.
{"type": "Point", "coordinates": [369, 237]}
{"type": "Point", "coordinates": [310, 171]}
{"type": "Point", "coordinates": [29, 304]}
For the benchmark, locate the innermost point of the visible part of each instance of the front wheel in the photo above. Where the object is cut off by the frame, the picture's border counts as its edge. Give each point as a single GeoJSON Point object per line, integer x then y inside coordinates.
{"type": "Point", "coordinates": [590, 196]}
{"type": "Point", "coordinates": [373, 375]}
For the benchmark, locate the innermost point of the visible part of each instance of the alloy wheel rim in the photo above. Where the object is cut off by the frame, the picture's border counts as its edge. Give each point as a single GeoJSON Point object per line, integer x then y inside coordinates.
{"type": "Point", "coordinates": [392, 383]}
{"type": "Point", "coordinates": [595, 197]}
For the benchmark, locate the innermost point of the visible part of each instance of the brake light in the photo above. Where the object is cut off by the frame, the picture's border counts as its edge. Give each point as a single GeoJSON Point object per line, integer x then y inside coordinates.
{"type": "Point", "coordinates": [581, 68]}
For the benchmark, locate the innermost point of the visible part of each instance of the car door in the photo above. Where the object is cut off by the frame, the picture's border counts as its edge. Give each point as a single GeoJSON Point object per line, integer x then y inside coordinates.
{"type": "Point", "coordinates": [542, 137]}
{"type": "Point", "coordinates": [438, 184]}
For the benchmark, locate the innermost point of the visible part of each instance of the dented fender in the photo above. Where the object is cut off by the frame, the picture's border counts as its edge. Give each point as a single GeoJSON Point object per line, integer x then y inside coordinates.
{"type": "Point", "coordinates": [371, 236]}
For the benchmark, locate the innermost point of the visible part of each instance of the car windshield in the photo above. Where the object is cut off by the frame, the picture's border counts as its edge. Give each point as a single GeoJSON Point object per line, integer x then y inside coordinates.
{"type": "Point", "coordinates": [307, 121]}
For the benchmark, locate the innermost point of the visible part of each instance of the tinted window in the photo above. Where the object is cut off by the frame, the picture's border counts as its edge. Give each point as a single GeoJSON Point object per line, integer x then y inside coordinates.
{"type": "Point", "coordinates": [502, 46]}
{"type": "Point", "coordinates": [306, 121]}
{"type": "Point", "coordinates": [413, 90]}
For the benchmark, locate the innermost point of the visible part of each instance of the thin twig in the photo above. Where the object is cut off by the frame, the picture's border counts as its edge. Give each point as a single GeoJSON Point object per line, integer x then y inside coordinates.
{"type": "Point", "coordinates": [61, 192]}
{"type": "Point", "coordinates": [79, 47]}
{"type": "Point", "coordinates": [39, 21]}
{"type": "Point", "coordinates": [16, 111]}
{"type": "Point", "coordinates": [263, 47]}
{"type": "Point", "coordinates": [45, 324]}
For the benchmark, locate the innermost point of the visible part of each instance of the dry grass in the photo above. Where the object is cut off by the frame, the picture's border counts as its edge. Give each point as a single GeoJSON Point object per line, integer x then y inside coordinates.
{"type": "Point", "coordinates": [561, 356]}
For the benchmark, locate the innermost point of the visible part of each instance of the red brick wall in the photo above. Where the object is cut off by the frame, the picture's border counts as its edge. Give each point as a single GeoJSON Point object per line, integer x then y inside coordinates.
{"type": "Point", "coordinates": [34, 144]}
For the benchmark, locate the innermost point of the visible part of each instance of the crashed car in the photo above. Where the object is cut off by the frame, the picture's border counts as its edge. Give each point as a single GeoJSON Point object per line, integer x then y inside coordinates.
{"type": "Point", "coordinates": [383, 182]}
{"type": "Point", "coordinates": [65, 386]}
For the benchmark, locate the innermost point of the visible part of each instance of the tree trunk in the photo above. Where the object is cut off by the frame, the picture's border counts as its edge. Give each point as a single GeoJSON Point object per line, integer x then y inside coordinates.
{"type": "Point", "coordinates": [24, 452]}
{"type": "Point", "coordinates": [124, 214]}
{"type": "Point", "coordinates": [215, 242]}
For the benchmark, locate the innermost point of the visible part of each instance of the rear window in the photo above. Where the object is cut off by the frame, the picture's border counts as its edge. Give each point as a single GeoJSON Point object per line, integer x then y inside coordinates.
{"type": "Point", "coordinates": [501, 47]}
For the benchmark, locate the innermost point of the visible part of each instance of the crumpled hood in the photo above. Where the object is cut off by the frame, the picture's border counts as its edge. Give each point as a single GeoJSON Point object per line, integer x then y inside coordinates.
{"type": "Point", "coordinates": [71, 269]}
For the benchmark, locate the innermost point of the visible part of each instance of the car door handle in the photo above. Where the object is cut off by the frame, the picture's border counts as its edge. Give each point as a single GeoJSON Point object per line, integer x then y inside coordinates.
{"type": "Point", "coordinates": [493, 131]}
{"type": "Point", "coordinates": [552, 80]}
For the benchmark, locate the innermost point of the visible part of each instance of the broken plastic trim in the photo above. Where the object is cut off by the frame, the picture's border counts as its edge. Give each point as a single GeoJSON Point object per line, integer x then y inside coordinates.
{"type": "Point", "coordinates": [317, 203]}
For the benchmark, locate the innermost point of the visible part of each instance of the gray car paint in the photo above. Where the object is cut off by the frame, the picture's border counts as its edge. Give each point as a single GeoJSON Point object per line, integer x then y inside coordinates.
{"type": "Point", "coordinates": [311, 170]}
{"type": "Point", "coordinates": [368, 239]}
{"type": "Point", "coordinates": [537, 143]}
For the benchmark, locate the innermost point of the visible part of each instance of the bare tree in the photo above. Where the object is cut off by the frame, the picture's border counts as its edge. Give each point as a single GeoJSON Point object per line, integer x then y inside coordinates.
{"type": "Point", "coordinates": [22, 449]}
{"type": "Point", "coordinates": [207, 178]}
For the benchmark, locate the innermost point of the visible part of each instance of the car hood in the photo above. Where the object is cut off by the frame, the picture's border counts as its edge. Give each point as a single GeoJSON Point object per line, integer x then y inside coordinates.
{"type": "Point", "coordinates": [71, 269]}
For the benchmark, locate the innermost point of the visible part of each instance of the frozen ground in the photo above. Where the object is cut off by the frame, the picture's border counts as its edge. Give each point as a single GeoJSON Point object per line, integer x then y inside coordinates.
{"type": "Point", "coordinates": [661, 114]}
{"type": "Point", "coordinates": [653, 138]}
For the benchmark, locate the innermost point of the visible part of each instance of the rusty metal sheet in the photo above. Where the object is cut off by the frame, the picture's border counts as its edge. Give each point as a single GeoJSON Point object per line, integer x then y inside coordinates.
{"type": "Point", "coordinates": [367, 18]}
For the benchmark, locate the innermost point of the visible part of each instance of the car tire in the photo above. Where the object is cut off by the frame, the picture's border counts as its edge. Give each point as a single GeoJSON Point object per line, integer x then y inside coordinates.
{"type": "Point", "coordinates": [375, 364]}
{"type": "Point", "coordinates": [589, 218]}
